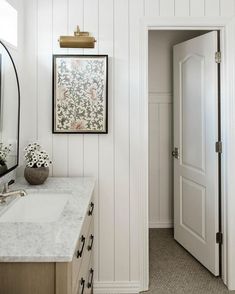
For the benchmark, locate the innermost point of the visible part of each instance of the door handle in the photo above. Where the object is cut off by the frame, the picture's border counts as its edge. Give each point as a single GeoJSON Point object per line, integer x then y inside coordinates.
{"type": "Point", "coordinates": [175, 153]}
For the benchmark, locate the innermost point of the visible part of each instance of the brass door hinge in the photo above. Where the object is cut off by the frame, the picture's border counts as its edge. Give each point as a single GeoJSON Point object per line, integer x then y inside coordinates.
{"type": "Point", "coordinates": [219, 238]}
{"type": "Point", "coordinates": [218, 147]}
{"type": "Point", "coordinates": [218, 57]}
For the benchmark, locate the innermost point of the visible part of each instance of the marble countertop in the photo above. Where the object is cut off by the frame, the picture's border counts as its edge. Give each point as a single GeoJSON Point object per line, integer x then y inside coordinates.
{"type": "Point", "coordinates": [48, 242]}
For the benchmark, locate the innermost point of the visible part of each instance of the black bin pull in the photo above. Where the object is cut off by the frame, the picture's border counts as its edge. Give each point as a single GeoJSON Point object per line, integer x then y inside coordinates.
{"type": "Point", "coordinates": [79, 252]}
{"type": "Point", "coordinates": [89, 247]}
{"type": "Point", "coordinates": [92, 205]}
{"type": "Point", "coordinates": [90, 280]}
{"type": "Point", "coordinates": [82, 283]}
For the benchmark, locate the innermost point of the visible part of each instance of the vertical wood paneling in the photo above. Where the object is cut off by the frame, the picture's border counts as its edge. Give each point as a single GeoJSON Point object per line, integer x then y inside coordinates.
{"type": "Point", "coordinates": [121, 74]}
{"type": "Point", "coordinates": [28, 81]}
{"type": "Point", "coordinates": [75, 142]}
{"type": "Point", "coordinates": [29, 95]}
{"type": "Point", "coordinates": [160, 164]}
{"type": "Point", "coordinates": [91, 142]}
{"type": "Point", "coordinates": [182, 7]}
{"type": "Point", "coordinates": [110, 158]}
{"type": "Point", "coordinates": [21, 41]}
{"type": "Point", "coordinates": [91, 24]}
{"type": "Point", "coordinates": [212, 7]}
{"type": "Point", "coordinates": [135, 14]}
{"type": "Point", "coordinates": [165, 162]}
{"type": "Point", "coordinates": [106, 154]}
{"type": "Point", "coordinates": [154, 163]}
{"type": "Point", "coordinates": [152, 8]}
{"type": "Point", "coordinates": [197, 7]}
{"type": "Point", "coordinates": [167, 7]}
{"type": "Point", "coordinates": [227, 7]}
{"type": "Point", "coordinates": [60, 141]}
{"type": "Point", "coordinates": [44, 67]}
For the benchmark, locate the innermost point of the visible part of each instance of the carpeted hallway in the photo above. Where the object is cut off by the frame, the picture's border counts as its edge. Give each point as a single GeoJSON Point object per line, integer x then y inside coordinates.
{"type": "Point", "coordinates": [174, 271]}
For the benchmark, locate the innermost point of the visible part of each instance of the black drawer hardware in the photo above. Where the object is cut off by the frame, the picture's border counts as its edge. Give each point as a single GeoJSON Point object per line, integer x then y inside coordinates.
{"type": "Point", "coordinates": [92, 205]}
{"type": "Point", "coordinates": [79, 252]}
{"type": "Point", "coordinates": [90, 280]}
{"type": "Point", "coordinates": [82, 283]}
{"type": "Point", "coordinates": [89, 247]}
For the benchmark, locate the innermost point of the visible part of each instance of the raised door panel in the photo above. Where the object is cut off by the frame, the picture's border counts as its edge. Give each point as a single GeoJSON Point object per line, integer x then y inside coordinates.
{"type": "Point", "coordinates": [192, 110]}
{"type": "Point", "coordinates": [192, 208]}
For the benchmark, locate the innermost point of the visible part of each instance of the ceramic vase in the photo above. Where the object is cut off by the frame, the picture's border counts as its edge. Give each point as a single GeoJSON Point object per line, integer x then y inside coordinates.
{"type": "Point", "coordinates": [36, 175]}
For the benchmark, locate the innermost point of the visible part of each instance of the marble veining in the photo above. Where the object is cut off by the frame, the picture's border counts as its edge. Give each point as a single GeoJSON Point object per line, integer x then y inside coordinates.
{"type": "Point", "coordinates": [52, 241]}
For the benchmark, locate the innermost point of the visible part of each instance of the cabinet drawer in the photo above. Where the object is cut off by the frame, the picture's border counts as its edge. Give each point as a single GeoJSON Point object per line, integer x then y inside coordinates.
{"type": "Point", "coordinates": [90, 278]}
{"type": "Point", "coordinates": [84, 248]}
{"type": "Point", "coordinates": [85, 281]}
{"type": "Point", "coordinates": [81, 282]}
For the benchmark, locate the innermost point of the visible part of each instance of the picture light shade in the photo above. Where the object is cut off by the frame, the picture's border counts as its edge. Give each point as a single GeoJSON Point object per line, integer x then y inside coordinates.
{"type": "Point", "coordinates": [79, 40]}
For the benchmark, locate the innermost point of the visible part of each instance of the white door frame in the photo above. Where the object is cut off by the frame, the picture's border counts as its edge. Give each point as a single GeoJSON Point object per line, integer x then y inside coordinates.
{"type": "Point", "coordinates": [227, 29]}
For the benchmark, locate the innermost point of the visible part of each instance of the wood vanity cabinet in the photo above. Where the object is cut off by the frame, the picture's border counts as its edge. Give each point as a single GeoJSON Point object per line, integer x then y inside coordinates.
{"type": "Point", "coordinates": [74, 277]}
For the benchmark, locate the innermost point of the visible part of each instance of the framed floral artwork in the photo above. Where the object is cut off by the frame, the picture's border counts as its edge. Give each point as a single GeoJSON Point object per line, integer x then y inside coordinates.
{"type": "Point", "coordinates": [80, 94]}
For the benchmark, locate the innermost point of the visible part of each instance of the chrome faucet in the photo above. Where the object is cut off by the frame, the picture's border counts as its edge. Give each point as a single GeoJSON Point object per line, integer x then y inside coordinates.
{"type": "Point", "coordinates": [6, 193]}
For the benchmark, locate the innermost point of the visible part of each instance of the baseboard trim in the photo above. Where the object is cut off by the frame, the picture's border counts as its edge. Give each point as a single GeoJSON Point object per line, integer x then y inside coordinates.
{"type": "Point", "coordinates": [161, 225]}
{"type": "Point", "coordinates": [114, 287]}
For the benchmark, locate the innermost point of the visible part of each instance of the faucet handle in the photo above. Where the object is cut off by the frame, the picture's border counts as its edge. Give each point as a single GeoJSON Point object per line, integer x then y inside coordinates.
{"type": "Point", "coordinates": [5, 188]}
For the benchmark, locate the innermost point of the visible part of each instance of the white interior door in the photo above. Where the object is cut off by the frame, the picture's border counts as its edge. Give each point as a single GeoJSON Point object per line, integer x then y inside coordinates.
{"type": "Point", "coordinates": [195, 134]}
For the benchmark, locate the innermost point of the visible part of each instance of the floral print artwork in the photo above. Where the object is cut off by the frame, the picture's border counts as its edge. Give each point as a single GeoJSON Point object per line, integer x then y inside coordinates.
{"type": "Point", "coordinates": [80, 94]}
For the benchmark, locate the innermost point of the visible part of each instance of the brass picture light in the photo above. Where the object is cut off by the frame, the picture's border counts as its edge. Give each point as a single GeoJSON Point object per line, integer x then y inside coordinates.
{"type": "Point", "coordinates": [79, 40]}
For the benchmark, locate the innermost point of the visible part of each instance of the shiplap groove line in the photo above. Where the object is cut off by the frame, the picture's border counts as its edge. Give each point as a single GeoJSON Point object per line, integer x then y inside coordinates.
{"type": "Point", "coordinates": [106, 154]}
{"type": "Point", "coordinates": [67, 136]}
{"type": "Point", "coordinates": [114, 96]}
{"type": "Point", "coordinates": [212, 8]}
{"type": "Point", "coordinates": [91, 141]}
{"type": "Point", "coordinates": [129, 124]}
{"type": "Point", "coordinates": [37, 106]}
{"type": "Point", "coordinates": [121, 142]}
{"type": "Point", "coordinates": [60, 26]}
{"type": "Point", "coordinates": [44, 32]}
{"type": "Point", "coordinates": [52, 46]}
{"type": "Point", "coordinates": [135, 14]}
{"type": "Point", "coordinates": [97, 215]}
{"type": "Point", "coordinates": [76, 150]}
{"type": "Point", "coordinates": [152, 8]}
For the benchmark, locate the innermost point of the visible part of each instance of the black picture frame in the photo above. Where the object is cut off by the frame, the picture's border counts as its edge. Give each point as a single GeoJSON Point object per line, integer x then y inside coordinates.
{"type": "Point", "coordinates": [78, 57]}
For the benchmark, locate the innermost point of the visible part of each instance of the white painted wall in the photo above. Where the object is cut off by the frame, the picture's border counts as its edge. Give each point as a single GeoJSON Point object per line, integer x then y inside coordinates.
{"type": "Point", "coordinates": [112, 158]}
{"type": "Point", "coordinates": [160, 124]}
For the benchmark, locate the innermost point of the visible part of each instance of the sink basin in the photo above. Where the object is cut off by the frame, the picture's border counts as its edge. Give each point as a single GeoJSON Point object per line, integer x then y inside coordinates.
{"type": "Point", "coordinates": [36, 208]}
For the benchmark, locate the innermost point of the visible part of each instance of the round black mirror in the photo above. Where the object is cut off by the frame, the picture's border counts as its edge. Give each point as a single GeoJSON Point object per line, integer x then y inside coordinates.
{"type": "Point", "coordinates": [9, 112]}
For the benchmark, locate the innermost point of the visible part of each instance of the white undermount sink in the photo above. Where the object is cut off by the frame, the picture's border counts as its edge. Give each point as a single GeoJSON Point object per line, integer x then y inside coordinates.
{"type": "Point", "coordinates": [36, 208]}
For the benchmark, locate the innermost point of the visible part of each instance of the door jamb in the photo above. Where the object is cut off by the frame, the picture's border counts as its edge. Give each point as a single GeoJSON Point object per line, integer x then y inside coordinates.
{"type": "Point", "coordinates": [226, 26]}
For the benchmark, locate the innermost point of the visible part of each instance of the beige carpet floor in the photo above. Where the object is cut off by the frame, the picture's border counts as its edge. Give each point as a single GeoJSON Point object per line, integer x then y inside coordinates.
{"type": "Point", "coordinates": [174, 271]}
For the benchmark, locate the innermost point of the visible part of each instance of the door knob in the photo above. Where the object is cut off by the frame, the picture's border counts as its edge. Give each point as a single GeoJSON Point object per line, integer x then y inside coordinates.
{"type": "Point", "coordinates": [175, 153]}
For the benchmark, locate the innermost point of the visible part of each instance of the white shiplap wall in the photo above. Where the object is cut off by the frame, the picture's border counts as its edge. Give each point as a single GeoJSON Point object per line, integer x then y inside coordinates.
{"type": "Point", "coordinates": [111, 157]}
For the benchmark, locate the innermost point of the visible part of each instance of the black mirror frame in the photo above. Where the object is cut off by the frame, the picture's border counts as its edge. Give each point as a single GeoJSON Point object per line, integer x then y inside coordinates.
{"type": "Point", "coordinates": [18, 128]}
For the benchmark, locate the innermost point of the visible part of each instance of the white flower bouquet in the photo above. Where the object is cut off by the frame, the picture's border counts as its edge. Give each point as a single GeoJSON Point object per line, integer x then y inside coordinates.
{"type": "Point", "coordinates": [4, 151]}
{"type": "Point", "coordinates": [36, 157]}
